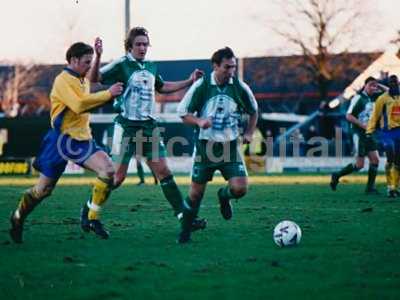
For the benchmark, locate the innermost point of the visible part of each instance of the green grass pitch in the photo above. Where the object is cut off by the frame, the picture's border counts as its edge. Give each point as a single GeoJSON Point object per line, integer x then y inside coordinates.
{"type": "Point", "coordinates": [350, 247]}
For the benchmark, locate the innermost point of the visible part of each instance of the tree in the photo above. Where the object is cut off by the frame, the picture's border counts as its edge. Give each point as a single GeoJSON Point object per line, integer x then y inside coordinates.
{"type": "Point", "coordinates": [396, 42]}
{"type": "Point", "coordinates": [319, 29]}
{"type": "Point", "coordinates": [16, 83]}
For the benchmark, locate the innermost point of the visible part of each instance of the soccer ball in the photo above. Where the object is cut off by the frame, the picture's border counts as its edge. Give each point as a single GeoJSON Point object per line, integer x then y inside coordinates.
{"type": "Point", "coordinates": [287, 233]}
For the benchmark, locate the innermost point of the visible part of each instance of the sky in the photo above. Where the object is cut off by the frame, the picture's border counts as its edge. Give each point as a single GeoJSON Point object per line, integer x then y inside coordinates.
{"type": "Point", "coordinates": [41, 30]}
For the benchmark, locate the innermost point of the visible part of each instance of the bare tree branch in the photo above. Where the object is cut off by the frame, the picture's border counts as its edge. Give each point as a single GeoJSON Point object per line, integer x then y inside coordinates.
{"type": "Point", "coordinates": [319, 28]}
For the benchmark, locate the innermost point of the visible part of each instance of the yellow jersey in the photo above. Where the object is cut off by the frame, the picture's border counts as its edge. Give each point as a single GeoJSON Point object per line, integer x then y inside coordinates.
{"type": "Point", "coordinates": [70, 102]}
{"type": "Point", "coordinates": [386, 111]}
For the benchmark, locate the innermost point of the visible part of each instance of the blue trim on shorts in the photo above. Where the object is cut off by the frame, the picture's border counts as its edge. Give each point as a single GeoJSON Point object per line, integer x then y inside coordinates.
{"type": "Point", "coordinates": [58, 120]}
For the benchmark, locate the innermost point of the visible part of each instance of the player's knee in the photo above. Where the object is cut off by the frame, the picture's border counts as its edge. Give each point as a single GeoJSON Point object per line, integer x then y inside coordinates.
{"type": "Point", "coordinates": [238, 191]}
{"type": "Point", "coordinates": [374, 161]}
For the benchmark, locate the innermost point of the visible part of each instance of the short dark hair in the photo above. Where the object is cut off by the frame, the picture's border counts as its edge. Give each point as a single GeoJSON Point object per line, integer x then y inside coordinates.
{"type": "Point", "coordinates": [220, 54]}
{"type": "Point", "coordinates": [369, 79]}
{"type": "Point", "coordinates": [393, 78]}
{"type": "Point", "coordinates": [133, 33]}
{"type": "Point", "coordinates": [78, 50]}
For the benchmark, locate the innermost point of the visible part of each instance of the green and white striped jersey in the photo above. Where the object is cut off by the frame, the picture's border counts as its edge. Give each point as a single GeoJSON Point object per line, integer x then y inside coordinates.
{"type": "Point", "coordinates": [224, 105]}
{"type": "Point", "coordinates": [361, 107]}
{"type": "Point", "coordinates": [140, 79]}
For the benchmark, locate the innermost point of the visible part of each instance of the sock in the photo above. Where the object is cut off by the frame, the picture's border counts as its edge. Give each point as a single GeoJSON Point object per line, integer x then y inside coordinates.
{"type": "Point", "coordinates": [29, 200]}
{"type": "Point", "coordinates": [195, 206]}
{"type": "Point", "coordinates": [100, 192]}
{"type": "Point", "coordinates": [140, 171]}
{"type": "Point", "coordinates": [189, 212]}
{"type": "Point", "coordinates": [372, 171]}
{"type": "Point", "coordinates": [396, 176]}
{"type": "Point", "coordinates": [388, 173]}
{"type": "Point", "coordinates": [172, 193]}
{"type": "Point", "coordinates": [350, 168]}
{"type": "Point", "coordinates": [226, 193]}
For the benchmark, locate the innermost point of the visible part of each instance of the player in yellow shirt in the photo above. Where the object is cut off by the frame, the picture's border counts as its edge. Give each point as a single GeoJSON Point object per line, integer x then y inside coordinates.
{"type": "Point", "coordinates": [387, 113]}
{"type": "Point", "coordinates": [70, 139]}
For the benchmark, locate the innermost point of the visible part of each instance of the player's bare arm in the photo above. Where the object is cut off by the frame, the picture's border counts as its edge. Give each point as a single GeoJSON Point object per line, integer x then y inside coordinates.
{"type": "Point", "coordinates": [352, 119]}
{"type": "Point", "coordinates": [190, 119]}
{"type": "Point", "coordinates": [94, 75]}
{"type": "Point", "coordinates": [173, 86]}
{"type": "Point", "coordinates": [251, 127]}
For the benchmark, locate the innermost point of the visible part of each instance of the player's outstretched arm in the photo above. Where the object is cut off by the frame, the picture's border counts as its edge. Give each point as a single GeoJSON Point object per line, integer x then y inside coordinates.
{"type": "Point", "coordinates": [173, 86]}
{"type": "Point", "coordinates": [80, 102]}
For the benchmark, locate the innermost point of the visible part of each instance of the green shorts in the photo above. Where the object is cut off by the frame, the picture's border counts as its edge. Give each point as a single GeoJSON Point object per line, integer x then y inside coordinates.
{"type": "Point", "coordinates": [224, 157]}
{"type": "Point", "coordinates": [366, 145]}
{"type": "Point", "coordinates": [202, 173]}
{"type": "Point", "coordinates": [141, 138]}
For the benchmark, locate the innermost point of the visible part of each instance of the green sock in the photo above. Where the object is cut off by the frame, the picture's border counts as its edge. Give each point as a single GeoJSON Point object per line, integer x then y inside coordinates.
{"type": "Point", "coordinates": [350, 168]}
{"type": "Point", "coordinates": [172, 193]}
{"type": "Point", "coordinates": [29, 200]}
{"type": "Point", "coordinates": [140, 171]}
{"type": "Point", "coordinates": [372, 171]}
{"type": "Point", "coordinates": [225, 192]}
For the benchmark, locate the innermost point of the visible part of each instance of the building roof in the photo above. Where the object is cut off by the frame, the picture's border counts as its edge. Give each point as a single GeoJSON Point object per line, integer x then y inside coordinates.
{"type": "Point", "coordinates": [285, 77]}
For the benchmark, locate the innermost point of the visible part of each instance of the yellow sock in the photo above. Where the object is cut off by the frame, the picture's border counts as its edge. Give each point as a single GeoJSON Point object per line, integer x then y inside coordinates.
{"type": "Point", "coordinates": [389, 176]}
{"type": "Point", "coordinates": [100, 192]}
{"type": "Point", "coordinates": [396, 176]}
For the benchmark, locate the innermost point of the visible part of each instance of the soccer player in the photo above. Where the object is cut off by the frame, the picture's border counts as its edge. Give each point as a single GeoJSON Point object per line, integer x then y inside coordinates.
{"type": "Point", "coordinates": [358, 114]}
{"type": "Point", "coordinates": [387, 110]}
{"type": "Point", "coordinates": [215, 104]}
{"type": "Point", "coordinates": [70, 139]}
{"type": "Point", "coordinates": [135, 129]}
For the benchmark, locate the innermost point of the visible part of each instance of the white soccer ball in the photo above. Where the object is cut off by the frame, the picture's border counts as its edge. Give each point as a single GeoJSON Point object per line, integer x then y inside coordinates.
{"type": "Point", "coordinates": [287, 233]}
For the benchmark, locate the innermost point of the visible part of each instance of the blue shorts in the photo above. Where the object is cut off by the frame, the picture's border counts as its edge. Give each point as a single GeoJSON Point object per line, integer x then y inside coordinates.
{"type": "Point", "coordinates": [57, 148]}
{"type": "Point", "coordinates": [390, 139]}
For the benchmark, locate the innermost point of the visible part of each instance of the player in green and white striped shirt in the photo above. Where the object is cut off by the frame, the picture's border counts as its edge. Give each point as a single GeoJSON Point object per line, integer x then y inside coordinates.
{"type": "Point", "coordinates": [135, 129]}
{"type": "Point", "coordinates": [215, 104]}
{"type": "Point", "coordinates": [358, 114]}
